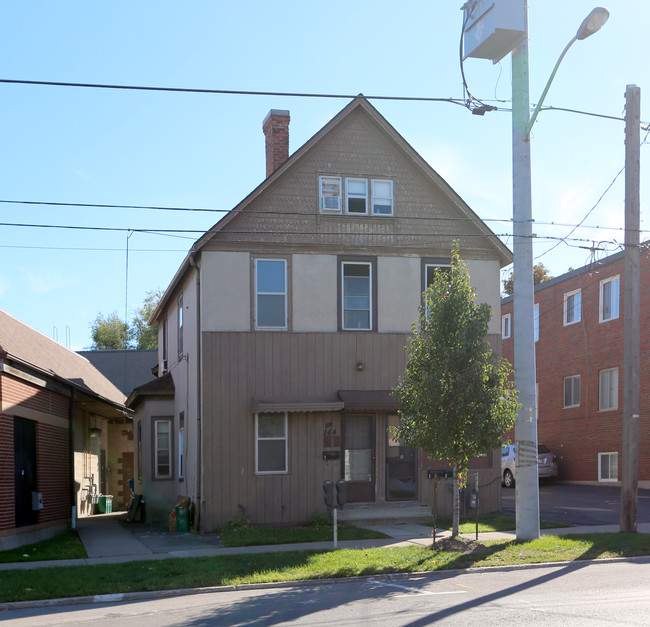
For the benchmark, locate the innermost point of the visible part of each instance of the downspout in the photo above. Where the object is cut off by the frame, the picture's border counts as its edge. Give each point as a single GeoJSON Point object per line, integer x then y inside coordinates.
{"type": "Point", "coordinates": [73, 494]}
{"type": "Point", "coordinates": [199, 401]}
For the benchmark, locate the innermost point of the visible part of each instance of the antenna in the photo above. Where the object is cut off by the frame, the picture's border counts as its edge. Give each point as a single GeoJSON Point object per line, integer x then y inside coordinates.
{"type": "Point", "coordinates": [55, 334]}
{"type": "Point", "coordinates": [67, 337]}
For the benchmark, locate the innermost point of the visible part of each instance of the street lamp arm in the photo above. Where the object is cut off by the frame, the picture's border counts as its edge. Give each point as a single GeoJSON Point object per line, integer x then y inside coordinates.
{"type": "Point", "coordinates": [529, 127]}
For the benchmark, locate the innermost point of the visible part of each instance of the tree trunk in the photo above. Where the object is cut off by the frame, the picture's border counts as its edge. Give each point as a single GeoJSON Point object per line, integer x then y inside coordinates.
{"type": "Point", "coordinates": [455, 503]}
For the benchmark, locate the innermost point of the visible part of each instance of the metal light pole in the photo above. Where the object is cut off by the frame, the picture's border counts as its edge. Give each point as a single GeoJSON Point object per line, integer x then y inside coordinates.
{"type": "Point", "coordinates": [527, 487]}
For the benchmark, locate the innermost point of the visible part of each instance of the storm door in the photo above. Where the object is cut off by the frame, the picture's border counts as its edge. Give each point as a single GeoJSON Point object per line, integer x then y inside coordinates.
{"type": "Point", "coordinates": [359, 458]}
{"type": "Point", "coordinates": [401, 467]}
{"type": "Point", "coordinates": [25, 470]}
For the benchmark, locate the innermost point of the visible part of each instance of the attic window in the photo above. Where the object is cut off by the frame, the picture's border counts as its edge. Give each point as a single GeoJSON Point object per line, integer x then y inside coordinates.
{"type": "Point", "coordinates": [330, 194]}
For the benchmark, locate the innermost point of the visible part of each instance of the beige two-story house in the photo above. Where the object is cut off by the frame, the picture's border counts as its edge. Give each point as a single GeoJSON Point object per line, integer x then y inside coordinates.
{"type": "Point", "coordinates": [284, 329]}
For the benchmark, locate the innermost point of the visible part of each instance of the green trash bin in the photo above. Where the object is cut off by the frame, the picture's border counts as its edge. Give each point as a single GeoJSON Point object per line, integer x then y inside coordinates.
{"type": "Point", "coordinates": [105, 504]}
{"type": "Point", "coordinates": [182, 519]}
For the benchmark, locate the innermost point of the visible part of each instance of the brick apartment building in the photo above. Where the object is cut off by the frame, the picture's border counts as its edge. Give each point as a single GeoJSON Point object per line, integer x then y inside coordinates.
{"type": "Point", "coordinates": [579, 365]}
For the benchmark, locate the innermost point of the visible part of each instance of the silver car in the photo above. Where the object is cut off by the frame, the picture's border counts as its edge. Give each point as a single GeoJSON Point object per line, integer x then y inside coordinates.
{"type": "Point", "coordinates": [546, 464]}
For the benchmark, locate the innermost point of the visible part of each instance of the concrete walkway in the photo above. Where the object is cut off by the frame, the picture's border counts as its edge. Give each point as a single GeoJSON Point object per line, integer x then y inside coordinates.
{"type": "Point", "coordinates": [108, 539]}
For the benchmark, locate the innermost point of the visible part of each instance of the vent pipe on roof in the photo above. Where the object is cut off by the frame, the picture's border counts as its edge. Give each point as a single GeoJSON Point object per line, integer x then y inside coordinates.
{"type": "Point", "coordinates": [276, 131]}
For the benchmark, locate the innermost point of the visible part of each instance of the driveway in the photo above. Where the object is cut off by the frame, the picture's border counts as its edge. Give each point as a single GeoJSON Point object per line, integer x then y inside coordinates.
{"type": "Point", "coordinates": [579, 504]}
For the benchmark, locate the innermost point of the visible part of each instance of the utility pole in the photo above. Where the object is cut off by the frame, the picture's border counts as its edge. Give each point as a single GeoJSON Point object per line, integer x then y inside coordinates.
{"type": "Point", "coordinates": [527, 484]}
{"type": "Point", "coordinates": [631, 307]}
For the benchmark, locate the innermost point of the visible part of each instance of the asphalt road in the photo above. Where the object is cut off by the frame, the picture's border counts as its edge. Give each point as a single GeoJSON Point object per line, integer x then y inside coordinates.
{"type": "Point", "coordinates": [579, 504]}
{"type": "Point", "coordinates": [606, 593]}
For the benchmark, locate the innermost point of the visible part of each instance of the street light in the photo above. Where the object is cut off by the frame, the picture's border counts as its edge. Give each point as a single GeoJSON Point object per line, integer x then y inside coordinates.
{"type": "Point", "coordinates": [527, 486]}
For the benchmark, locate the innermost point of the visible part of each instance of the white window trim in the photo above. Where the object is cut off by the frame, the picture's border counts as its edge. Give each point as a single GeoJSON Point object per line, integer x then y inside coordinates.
{"type": "Point", "coordinates": [600, 390]}
{"type": "Point", "coordinates": [179, 338]}
{"type": "Point", "coordinates": [157, 475]}
{"type": "Point", "coordinates": [181, 446]}
{"type": "Point", "coordinates": [258, 293]}
{"type": "Point", "coordinates": [321, 203]}
{"type": "Point", "coordinates": [600, 467]}
{"type": "Point", "coordinates": [601, 317]}
{"type": "Point", "coordinates": [348, 196]}
{"type": "Point", "coordinates": [568, 295]}
{"type": "Point", "coordinates": [572, 377]}
{"type": "Point", "coordinates": [370, 294]}
{"type": "Point", "coordinates": [506, 326]}
{"type": "Point", "coordinates": [375, 196]}
{"type": "Point", "coordinates": [286, 447]}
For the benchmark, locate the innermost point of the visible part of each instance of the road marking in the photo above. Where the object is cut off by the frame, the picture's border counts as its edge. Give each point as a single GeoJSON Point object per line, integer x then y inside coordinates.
{"type": "Point", "coordinates": [416, 590]}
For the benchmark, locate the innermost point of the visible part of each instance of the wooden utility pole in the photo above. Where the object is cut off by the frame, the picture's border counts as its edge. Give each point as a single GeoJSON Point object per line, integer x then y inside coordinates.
{"type": "Point", "coordinates": [631, 333]}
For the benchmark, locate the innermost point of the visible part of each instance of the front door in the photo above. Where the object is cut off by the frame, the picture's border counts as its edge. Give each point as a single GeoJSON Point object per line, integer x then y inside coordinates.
{"type": "Point", "coordinates": [401, 466]}
{"type": "Point", "coordinates": [359, 458]}
{"type": "Point", "coordinates": [25, 470]}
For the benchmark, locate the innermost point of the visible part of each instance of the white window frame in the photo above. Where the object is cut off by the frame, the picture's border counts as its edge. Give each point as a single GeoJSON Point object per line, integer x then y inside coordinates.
{"type": "Point", "coordinates": [368, 264]}
{"type": "Point", "coordinates": [180, 327]}
{"type": "Point", "coordinates": [608, 397]}
{"type": "Point", "coordinates": [571, 380]}
{"type": "Point", "coordinates": [259, 439]}
{"type": "Point", "coordinates": [181, 446]}
{"type": "Point", "coordinates": [377, 197]}
{"type": "Point", "coordinates": [158, 449]}
{"type": "Point", "coordinates": [536, 321]}
{"type": "Point", "coordinates": [506, 326]}
{"type": "Point", "coordinates": [610, 466]}
{"type": "Point", "coordinates": [430, 267]}
{"type": "Point", "coordinates": [355, 195]}
{"type": "Point", "coordinates": [574, 296]}
{"type": "Point", "coordinates": [322, 181]}
{"type": "Point", "coordinates": [614, 300]}
{"type": "Point", "coordinates": [258, 293]}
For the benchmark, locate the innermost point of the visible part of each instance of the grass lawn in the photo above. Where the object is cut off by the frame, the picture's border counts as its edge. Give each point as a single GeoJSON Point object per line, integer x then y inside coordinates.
{"type": "Point", "coordinates": [45, 583]}
{"type": "Point", "coordinates": [492, 522]}
{"type": "Point", "coordinates": [62, 547]}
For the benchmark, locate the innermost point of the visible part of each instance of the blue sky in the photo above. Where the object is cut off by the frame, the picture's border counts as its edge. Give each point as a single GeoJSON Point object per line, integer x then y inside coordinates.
{"type": "Point", "coordinates": [79, 145]}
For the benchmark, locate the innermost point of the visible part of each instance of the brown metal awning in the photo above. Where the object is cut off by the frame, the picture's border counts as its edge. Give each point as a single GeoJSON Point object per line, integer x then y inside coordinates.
{"type": "Point", "coordinates": [368, 400]}
{"type": "Point", "coordinates": [295, 406]}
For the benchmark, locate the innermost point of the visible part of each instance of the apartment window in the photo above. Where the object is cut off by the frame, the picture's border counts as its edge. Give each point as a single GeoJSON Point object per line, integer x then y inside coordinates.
{"type": "Point", "coordinates": [180, 326]}
{"type": "Point", "coordinates": [356, 296]}
{"type": "Point", "coordinates": [356, 194]}
{"type": "Point", "coordinates": [162, 449]}
{"type": "Point", "coordinates": [181, 445]}
{"type": "Point", "coordinates": [572, 307]}
{"type": "Point", "coordinates": [536, 322]}
{"type": "Point", "coordinates": [382, 198]}
{"type": "Point", "coordinates": [270, 294]}
{"type": "Point", "coordinates": [165, 345]}
{"type": "Point", "coordinates": [506, 326]}
{"type": "Point", "coordinates": [608, 389]}
{"type": "Point", "coordinates": [139, 448]}
{"type": "Point", "coordinates": [607, 466]}
{"type": "Point", "coordinates": [609, 298]}
{"type": "Point", "coordinates": [572, 391]}
{"type": "Point", "coordinates": [429, 273]}
{"type": "Point", "coordinates": [271, 443]}
{"type": "Point", "coordinates": [330, 194]}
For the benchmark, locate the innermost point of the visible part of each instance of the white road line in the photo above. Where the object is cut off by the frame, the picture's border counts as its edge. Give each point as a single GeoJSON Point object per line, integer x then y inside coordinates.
{"type": "Point", "coordinates": [416, 590]}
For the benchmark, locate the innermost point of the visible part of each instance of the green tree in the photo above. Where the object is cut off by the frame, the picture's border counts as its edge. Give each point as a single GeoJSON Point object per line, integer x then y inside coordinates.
{"type": "Point", "coordinates": [540, 274]}
{"type": "Point", "coordinates": [145, 336]}
{"type": "Point", "coordinates": [109, 333]}
{"type": "Point", "coordinates": [458, 397]}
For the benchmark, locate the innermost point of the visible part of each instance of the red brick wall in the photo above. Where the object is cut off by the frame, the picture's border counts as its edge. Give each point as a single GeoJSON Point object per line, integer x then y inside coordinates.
{"type": "Point", "coordinates": [585, 348]}
{"type": "Point", "coordinates": [53, 468]}
{"type": "Point", "coordinates": [23, 394]}
{"type": "Point", "coordinates": [7, 504]}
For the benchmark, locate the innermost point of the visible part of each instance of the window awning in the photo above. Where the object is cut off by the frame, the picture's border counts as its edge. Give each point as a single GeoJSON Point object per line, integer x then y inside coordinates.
{"type": "Point", "coordinates": [295, 406]}
{"type": "Point", "coordinates": [368, 400]}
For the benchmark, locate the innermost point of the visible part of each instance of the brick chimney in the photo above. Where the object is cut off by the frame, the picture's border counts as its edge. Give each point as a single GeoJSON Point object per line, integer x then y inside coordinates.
{"type": "Point", "coordinates": [276, 131]}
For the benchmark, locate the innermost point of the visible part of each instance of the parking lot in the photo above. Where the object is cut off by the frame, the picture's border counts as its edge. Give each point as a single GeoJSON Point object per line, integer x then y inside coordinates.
{"type": "Point", "coordinates": [579, 505]}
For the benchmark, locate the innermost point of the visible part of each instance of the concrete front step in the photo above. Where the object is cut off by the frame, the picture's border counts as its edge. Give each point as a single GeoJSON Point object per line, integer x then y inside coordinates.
{"type": "Point", "coordinates": [385, 513]}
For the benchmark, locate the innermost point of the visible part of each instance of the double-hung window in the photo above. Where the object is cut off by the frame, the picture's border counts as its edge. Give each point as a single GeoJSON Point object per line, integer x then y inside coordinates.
{"type": "Point", "coordinates": [429, 276]}
{"type": "Point", "coordinates": [271, 443]}
{"type": "Point", "coordinates": [608, 389]}
{"type": "Point", "coordinates": [506, 326]}
{"type": "Point", "coordinates": [536, 321]}
{"type": "Point", "coordinates": [180, 327]}
{"type": "Point", "coordinates": [162, 448]}
{"type": "Point", "coordinates": [607, 466]}
{"type": "Point", "coordinates": [330, 194]}
{"type": "Point", "coordinates": [382, 197]}
{"type": "Point", "coordinates": [572, 391]}
{"type": "Point", "coordinates": [270, 294]}
{"type": "Point", "coordinates": [356, 195]}
{"type": "Point", "coordinates": [356, 301]}
{"type": "Point", "coordinates": [609, 298]}
{"type": "Point", "coordinates": [572, 307]}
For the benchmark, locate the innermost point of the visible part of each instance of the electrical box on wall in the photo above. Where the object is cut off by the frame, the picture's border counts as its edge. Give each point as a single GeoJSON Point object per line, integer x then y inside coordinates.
{"type": "Point", "coordinates": [492, 28]}
{"type": "Point", "coordinates": [37, 501]}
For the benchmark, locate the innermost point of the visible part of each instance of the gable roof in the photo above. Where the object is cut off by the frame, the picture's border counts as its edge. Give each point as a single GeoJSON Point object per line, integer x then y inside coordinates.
{"type": "Point", "coordinates": [24, 345]}
{"type": "Point", "coordinates": [360, 103]}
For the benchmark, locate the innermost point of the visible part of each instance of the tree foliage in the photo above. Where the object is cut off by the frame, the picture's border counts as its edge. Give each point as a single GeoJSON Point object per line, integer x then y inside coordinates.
{"type": "Point", "coordinates": [540, 274]}
{"type": "Point", "coordinates": [112, 333]}
{"type": "Point", "coordinates": [458, 397]}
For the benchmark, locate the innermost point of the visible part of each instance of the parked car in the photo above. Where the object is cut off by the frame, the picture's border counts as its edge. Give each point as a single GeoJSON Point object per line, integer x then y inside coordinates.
{"type": "Point", "coordinates": [546, 464]}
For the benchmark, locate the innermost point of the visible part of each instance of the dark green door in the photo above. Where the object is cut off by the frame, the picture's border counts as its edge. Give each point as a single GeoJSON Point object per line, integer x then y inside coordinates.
{"type": "Point", "coordinates": [25, 470]}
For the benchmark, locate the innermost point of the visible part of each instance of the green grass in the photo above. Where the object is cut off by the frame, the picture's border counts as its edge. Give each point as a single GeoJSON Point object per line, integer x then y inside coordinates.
{"type": "Point", "coordinates": [253, 536]}
{"type": "Point", "coordinates": [65, 546]}
{"type": "Point", "coordinates": [492, 522]}
{"type": "Point", "coordinates": [44, 583]}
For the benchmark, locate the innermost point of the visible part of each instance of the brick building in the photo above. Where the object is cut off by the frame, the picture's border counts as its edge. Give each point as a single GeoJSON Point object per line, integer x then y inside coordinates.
{"type": "Point", "coordinates": [579, 364]}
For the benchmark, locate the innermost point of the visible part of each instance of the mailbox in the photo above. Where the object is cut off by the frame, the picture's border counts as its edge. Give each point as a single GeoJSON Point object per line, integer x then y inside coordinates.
{"type": "Point", "coordinates": [328, 492]}
{"type": "Point", "coordinates": [341, 492]}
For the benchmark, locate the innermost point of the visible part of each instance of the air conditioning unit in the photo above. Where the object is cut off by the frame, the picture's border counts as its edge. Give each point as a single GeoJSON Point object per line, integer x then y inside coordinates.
{"type": "Point", "coordinates": [332, 204]}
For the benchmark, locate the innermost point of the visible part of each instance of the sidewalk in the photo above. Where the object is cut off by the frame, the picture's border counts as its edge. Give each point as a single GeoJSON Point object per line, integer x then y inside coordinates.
{"type": "Point", "coordinates": [110, 540]}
